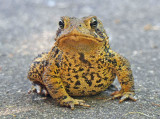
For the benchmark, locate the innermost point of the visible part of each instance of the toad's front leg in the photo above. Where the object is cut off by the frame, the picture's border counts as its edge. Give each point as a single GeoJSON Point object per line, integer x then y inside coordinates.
{"type": "Point", "coordinates": [56, 89]}
{"type": "Point", "coordinates": [124, 73]}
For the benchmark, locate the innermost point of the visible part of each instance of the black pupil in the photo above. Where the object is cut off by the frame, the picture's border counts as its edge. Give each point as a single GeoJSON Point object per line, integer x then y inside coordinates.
{"type": "Point", "coordinates": [61, 24]}
{"type": "Point", "coordinates": [93, 23]}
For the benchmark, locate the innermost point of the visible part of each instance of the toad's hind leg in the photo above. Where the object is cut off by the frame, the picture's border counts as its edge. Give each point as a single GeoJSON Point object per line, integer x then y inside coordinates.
{"type": "Point", "coordinates": [36, 72]}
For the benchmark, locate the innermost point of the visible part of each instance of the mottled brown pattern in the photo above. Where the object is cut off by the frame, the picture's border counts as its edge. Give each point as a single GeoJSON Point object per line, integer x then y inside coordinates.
{"type": "Point", "coordinates": [81, 63]}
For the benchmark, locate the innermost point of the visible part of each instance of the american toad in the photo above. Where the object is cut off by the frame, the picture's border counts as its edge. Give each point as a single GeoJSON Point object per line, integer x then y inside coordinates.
{"type": "Point", "coordinates": [81, 63]}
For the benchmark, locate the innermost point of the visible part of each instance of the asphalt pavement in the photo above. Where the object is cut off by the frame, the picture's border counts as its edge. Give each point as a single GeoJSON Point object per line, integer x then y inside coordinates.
{"type": "Point", "coordinates": [28, 27]}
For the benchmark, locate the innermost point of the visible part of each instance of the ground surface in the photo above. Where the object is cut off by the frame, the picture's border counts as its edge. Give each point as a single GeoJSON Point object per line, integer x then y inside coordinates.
{"type": "Point", "coordinates": [27, 27]}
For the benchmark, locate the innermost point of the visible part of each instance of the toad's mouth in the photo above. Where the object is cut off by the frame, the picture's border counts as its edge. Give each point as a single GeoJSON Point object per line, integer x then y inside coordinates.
{"type": "Point", "coordinates": [78, 42]}
{"type": "Point", "coordinates": [79, 37]}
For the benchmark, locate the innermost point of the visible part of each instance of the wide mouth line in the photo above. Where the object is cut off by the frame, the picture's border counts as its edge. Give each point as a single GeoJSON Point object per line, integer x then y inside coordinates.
{"type": "Point", "coordinates": [77, 35]}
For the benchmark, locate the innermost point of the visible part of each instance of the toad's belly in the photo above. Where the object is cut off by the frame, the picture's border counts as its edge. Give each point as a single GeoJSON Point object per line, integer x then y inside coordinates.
{"type": "Point", "coordinates": [87, 81]}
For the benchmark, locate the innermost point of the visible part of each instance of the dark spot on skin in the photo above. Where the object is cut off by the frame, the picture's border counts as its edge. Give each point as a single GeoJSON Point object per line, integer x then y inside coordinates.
{"type": "Point", "coordinates": [55, 91]}
{"type": "Point", "coordinates": [109, 54]}
{"type": "Point", "coordinates": [130, 76]}
{"type": "Point", "coordinates": [65, 64]}
{"type": "Point", "coordinates": [99, 66]}
{"type": "Point", "coordinates": [100, 33]}
{"type": "Point", "coordinates": [74, 71]}
{"type": "Point", "coordinates": [36, 62]}
{"type": "Point", "coordinates": [60, 98]}
{"type": "Point", "coordinates": [89, 82]}
{"type": "Point", "coordinates": [105, 78]}
{"type": "Point", "coordinates": [59, 57]}
{"type": "Point", "coordinates": [50, 64]}
{"type": "Point", "coordinates": [69, 69]}
{"type": "Point", "coordinates": [113, 74]}
{"type": "Point", "coordinates": [82, 92]}
{"type": "Point", "coordinates": [77, 65]}
{"type": "Point", "coordinates": [84, 74]}
{"type": "Point", "coordinates": [98, 81]}
{"type": "Point", "coordinates": [69, 79]}
{"type": "Point", "coordinates": [60, 87]}
{"type": "Point", "coordinates": [57, 70]}
{"type": "Point", "coordinates": [98, 60]}
{"type": "Point", "coordinates": [92, 77]}
{"type": "Point", "coordinates": [76, 87]}
{"type": "Point", "coordinates": [81, 58]}
{"type": "Point", "coordinates": [45, 63]}
{"type": "Point", "coordinates": [114, 62]}
{"type": "Point", "coordinates": [124, 83]}
{"type": "Point", "coordinates": [77, 83]}
{"type": "Point", "coordinates": [64, 97]}
{"type": "Point", "coordinates": [67, 86]}
{"type": "Point", "coordinates": [99, 85]}
{"type": "Point", "coordinates": [98, 75]}
{"type": "Point", "coordinates": [57, 64]}
{"type": "Point", "coordinates": [30, 74]}
{"type": "Point", "coordinates": [50, 86]}
{"type": "Point", "coordinates": [92, 56]}
{"type": "Point", "coordinates": [70, 64]}
{"type": "Point", "coordinates": [94, 91]}
{"type": "Point", "coordinates": [84, 77]}
{"type": "Point", "coordinates": [81, 69]}
{"type": "Point", "coordinates": [40, 67]}
{"type": "Point", "coordinates": [56, 52]}
{"type": "Point", "coordinates": [66, 58]}
{"type": "Point", "coordinates": [76, 76]}
{"type": "Point", "coordinates": [109, 69]}
{"type": "Point", "coordinates": [53, 49]}
{"type": "Point", "coordinates": [55, 83]}
{"type": "Point", "coordinates": [67, 90]}
{"type": "Point", "coordinates": [109, 60]}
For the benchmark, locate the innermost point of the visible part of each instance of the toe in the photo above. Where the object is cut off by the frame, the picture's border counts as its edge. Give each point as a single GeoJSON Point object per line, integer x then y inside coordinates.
{"type": "Point", "coordinates": [116, 96]}
{"type": "Point", "coordinates": [38, 89]}
{"type": "Point", "coordinates": [33, 89]}
{"type": "Point", "coordinates": [70, 102]}
{"type": "Point", "coordinates": [44, 92]}
{"type": "Point", "coordinates": [133, 98]}
{"type": "Point", "coordinates": [128, 95]}
{"type": "Point", "coordinates": [115, 93]}
{"type": "Point", "coordinates": [72, 106]}
{"type": "Point", "coordinates": [123, 98]}
{"type": "Point", "coordinates": [85, 105]}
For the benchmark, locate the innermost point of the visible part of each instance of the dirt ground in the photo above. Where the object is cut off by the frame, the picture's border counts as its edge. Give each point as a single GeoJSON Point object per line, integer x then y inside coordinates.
{"type": "Point", "coordinates": [28, 27]}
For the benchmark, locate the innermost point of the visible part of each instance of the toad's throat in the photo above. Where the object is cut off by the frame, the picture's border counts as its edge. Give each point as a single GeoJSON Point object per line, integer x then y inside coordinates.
{"type": "Point", "coordinates": [79, 42]}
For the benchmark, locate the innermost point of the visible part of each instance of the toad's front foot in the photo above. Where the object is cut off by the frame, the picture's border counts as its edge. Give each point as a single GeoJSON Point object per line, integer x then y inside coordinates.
{"type": "Point", "coordinates": [123, 95]}
{"type": "Point", "coordinates": [39, 90]}
{"type": "Point", "coordinates": [70, 102]}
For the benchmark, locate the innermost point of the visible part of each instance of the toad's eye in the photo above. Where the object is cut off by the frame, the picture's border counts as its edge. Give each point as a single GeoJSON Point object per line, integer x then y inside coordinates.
{"type": "Point", "coordinates": [61, 24]}
{"type": "Point", "coordinates": [93, 23]}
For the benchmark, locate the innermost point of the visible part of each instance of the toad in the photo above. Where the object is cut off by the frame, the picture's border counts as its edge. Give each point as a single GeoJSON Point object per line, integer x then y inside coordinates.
{"type": "Point", "coordinates": [81, 63]}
